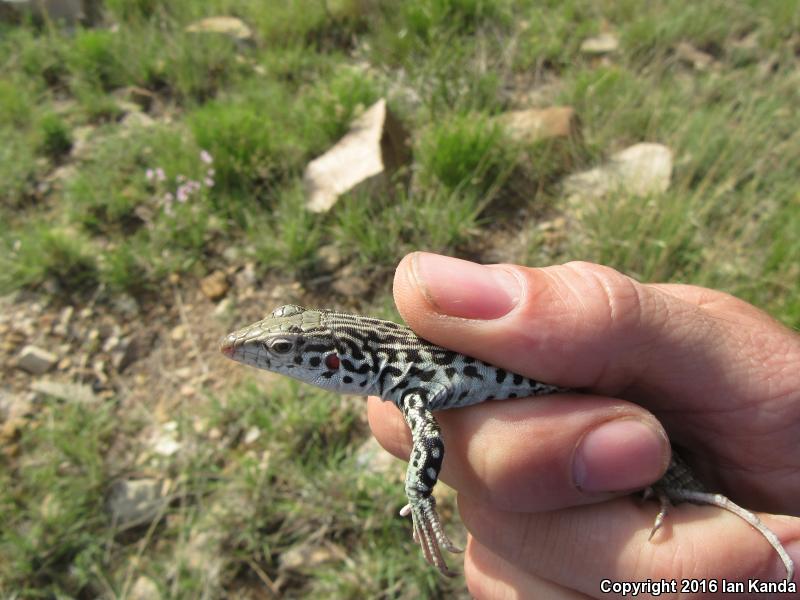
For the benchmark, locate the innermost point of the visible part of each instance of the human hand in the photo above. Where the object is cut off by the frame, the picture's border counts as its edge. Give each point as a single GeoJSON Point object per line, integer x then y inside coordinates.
{"type": "Point", "coordinates": [543, 482]}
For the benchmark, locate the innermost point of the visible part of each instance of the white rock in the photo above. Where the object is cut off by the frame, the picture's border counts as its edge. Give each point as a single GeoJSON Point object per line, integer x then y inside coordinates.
{"type": "Point", "coordinates": [604, 43]}
{"type": "Point", "coordinates": [641, 169]}
{"type": "Point", "coordinates": [36, 360]}
{"type": "Point", "coordinates": [165, 442]}
{"type": "Point", "coordinates": [375, 145]}
{"type": "Point", "coordinates": [252, 435]}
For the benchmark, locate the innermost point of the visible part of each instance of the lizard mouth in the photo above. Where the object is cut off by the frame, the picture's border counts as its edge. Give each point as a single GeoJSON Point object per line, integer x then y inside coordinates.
{"type": "Point", "coordinates": [227, 345]}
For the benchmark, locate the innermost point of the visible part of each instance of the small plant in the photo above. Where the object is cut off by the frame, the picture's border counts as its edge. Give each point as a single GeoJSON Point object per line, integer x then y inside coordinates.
{"type": "Point", "coordinates": [56, 136]}
{"type": "Point", "coordinates": [467, 151]}
{"type": "Point", "coordinates": [182, 217]}
{"type": "Point", "coordinates": [185, 188]}
{"type": "Point", "coordinates": [42, 253]}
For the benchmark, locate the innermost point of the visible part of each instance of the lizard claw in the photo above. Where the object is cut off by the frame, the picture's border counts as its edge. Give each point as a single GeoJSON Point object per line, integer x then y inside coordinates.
{"type": "Point", "coordinates": [663, 500]}
{"type": "Point", "coordinates": [428, 533]}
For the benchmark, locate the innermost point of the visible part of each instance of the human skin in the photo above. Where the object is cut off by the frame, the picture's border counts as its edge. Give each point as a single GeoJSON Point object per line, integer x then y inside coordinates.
{"type": "Point", "coordinates": [544, 483]}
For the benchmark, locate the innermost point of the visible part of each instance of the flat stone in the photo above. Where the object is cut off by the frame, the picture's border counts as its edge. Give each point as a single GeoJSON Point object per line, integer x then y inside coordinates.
{"type": "Point", "coordinates": [641, 170]}
{"type": "Point", "coordinates": [133, 502]}
{"type": "Point", "coordinates": [375, 147]}
{"type": "Point", "coordinates": [230, 26]}
{"type": "Point", "coordinates": [36, 360]}
{"type": "Point", "coordinates": [604, 43]}
{"type": "Point", "coordinates": [535, 124]}
{"type": "Point", "coordinates": [68, 392]}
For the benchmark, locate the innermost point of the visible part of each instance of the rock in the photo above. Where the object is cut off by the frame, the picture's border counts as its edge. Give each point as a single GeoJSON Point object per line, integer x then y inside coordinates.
{"type": "Point", "coordinates": [306, 556]}
{"type": "Point", "coordinates": [68, 392]}
{"type": "Point", "coordinates": [214, 286]}
{"type": "Point", "coordinates": [246, 279]}
{"type": "Point", "coordinates": [374, 149]}
{"type": "Point", "coordinates": [61, 327]}
{"type": "Point", "coordinates": [534, 124]}
{"type": "Point", "coordinates": [694, 57]}
{"type": "Point", "coordinates": [329, 257]}
{"type": "Point", "coordinates": [126, 352]}
{"type": "Point", "coordinates": [605, 43]}
{"type": "Point", "coordinates": [349, 283]}
{"type": "Point", "coordinates": [641, 169]}
{"type": "Point", "coordinates": [230, 26]}
{"type": "Point", "coordinates": [133, 120]}
{"type": "Point", "coordinates": [251, 435]}
{"type": "Point", "coordinates": [165, 442]}
{"type": "Point", "coordinates": [36, 360]}
{"type": "Point", "coordinates": [178, 332]}
{"type": "Point", "coordinates": [143, 588]}
{"type": "Point", "coordinates": [223, 308]}
{"type": "Point", "coordinates": [133, 502]}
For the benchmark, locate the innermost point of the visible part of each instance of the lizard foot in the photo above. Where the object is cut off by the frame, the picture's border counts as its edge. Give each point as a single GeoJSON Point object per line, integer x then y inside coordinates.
{"type": "Point", "coordinates": [667, 496]}
{"type": "Point", "coordinates": [429, 533]}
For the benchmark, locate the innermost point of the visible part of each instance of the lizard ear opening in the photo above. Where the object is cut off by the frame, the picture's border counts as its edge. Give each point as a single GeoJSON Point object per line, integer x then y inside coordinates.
{"type": "Point", "coordinates": [332, 362]}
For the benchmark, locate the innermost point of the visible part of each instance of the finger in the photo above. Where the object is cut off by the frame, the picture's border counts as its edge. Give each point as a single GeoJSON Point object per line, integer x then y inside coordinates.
{"type": "Point", "coordinates": [583, 545]}
{"type": "Point", "coordinates": [585, 325]}
{"type": "Point", "coordinates": [490, 577]}
{"type": "Point", "coordinates": [722, 380]}
{"type": "Point", "coordinates": [540, 453]}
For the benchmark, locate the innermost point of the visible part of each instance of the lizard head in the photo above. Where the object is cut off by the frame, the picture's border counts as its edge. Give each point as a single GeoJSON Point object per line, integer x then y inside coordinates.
{"type": "Point", "coordinates": [291, 341]}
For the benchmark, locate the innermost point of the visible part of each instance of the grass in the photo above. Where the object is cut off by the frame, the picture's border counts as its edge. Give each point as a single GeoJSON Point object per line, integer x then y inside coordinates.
{"type": "Point", "coordinates": [81, 221]}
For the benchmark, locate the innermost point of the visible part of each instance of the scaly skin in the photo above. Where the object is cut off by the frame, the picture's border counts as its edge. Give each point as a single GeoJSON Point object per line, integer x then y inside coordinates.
{"type": "Point", "coordinates": [359, 355]}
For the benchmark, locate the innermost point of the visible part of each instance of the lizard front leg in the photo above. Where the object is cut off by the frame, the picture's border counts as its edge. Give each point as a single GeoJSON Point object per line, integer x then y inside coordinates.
{"type": "Point", "coordinates": [427, 453]}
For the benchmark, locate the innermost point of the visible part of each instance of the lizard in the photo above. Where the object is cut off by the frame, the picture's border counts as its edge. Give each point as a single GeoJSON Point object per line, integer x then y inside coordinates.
{"type": "Point", "coordinates": [354, 354]}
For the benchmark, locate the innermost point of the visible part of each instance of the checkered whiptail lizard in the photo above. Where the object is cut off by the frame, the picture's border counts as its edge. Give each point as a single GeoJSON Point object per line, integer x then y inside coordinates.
{"type": "Point", "coordinates": [368, 356]}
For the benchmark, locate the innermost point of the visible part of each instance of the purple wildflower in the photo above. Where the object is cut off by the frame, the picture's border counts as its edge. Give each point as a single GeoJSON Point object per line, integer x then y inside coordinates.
{"type": "Point", "coordinates": [206, 157]}
{"type": "Point", "coordinates": [149, 174]}
{"type": "Point", "coordinates": [160, 175]}
{"type": "Point", "coordinates": [209, 182]}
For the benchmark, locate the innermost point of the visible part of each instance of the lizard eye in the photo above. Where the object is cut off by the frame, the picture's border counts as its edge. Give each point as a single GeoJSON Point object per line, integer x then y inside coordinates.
{"type": "Point", "coordinates": [281, 346]}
